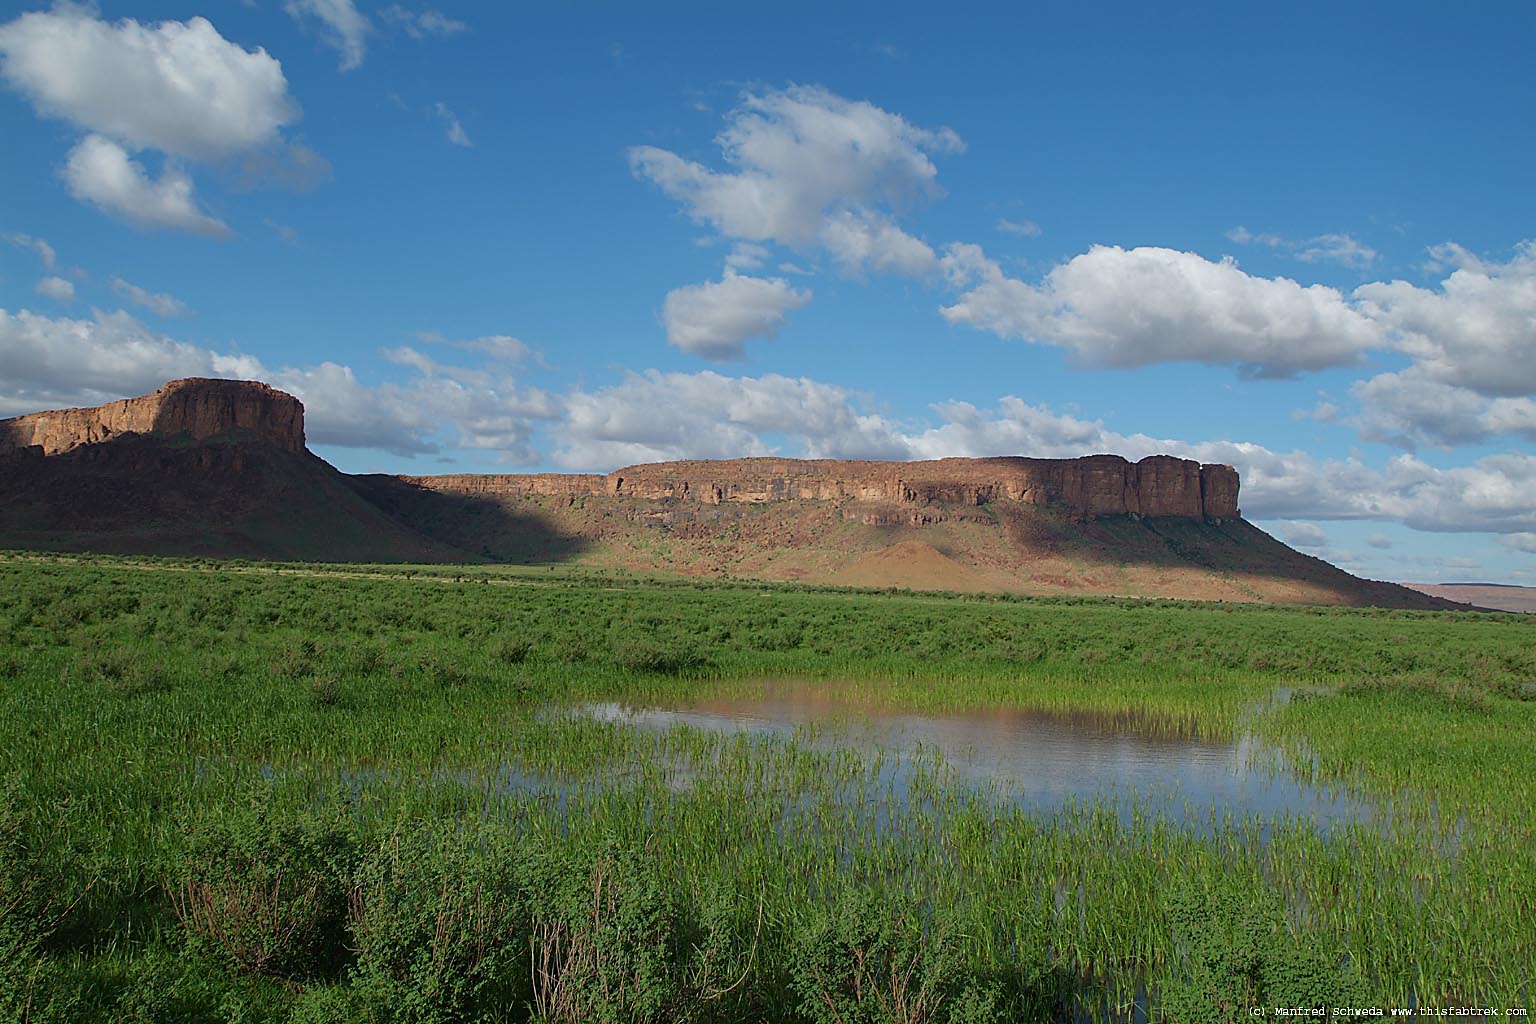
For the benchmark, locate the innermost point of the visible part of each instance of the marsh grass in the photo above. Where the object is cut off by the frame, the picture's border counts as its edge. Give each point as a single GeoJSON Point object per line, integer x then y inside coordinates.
{"type": "Point", "coordinates": [305, 795]}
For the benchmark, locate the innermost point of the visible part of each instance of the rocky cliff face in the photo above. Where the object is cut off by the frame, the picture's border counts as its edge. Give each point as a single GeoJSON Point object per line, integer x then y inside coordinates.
{"type": "Point", "coordinates": [197, 408]}
{"type": "Point", "coordinates": [1159, 485]}
{"type": "Point", "coordinates": [513, 485]}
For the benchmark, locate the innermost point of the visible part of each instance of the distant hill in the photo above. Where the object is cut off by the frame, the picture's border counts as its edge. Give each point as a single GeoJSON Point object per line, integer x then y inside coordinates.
{"type": "Point", "coordinates": [220, 468]}
{"type": "Point", "coordinates": [1495, 596]}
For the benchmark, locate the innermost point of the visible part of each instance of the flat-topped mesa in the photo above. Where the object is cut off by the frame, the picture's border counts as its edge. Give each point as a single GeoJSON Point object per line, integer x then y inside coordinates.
{"type": "Point", "coordinates": [197, 407]}
{"type": "Point", "coordinates": [1159, 485]}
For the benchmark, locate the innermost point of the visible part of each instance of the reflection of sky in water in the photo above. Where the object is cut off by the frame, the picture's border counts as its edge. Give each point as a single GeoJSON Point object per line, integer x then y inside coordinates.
{"type": "Point", "coordinates": [1039, 760]}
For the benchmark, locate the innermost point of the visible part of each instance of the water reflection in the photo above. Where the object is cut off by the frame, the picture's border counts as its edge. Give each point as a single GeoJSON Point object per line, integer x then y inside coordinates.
{"type": "Point", "coordinates": [1040, 760]}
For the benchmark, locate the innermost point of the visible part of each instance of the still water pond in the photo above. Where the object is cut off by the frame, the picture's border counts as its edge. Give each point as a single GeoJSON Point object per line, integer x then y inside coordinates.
{"type": "Point", "coordinates": [1039, 760]}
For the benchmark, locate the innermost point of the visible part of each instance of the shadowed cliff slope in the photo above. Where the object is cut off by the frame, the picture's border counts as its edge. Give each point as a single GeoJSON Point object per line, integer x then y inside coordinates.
{"type": "Point", "coordinates": [213, 468]}
{"type": "Point", "coordinates": [235, 498]}
{"type": "Point", "coordinates": [1003, 545]}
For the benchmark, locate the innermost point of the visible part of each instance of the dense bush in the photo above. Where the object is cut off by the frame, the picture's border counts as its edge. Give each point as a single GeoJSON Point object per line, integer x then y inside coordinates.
{"type": "Point", "coordinates": [266, 888]}
{"type": "Point", "coordinates": [440, 922]}
{"type": "Point", "coordinates": [642, 654]}
{"type": "Point", "coordinates": [606, 937]}
{"type": "Point", "coordinates": [870, 959]}
{"type": "Point", "coordinates": [1233, 950]}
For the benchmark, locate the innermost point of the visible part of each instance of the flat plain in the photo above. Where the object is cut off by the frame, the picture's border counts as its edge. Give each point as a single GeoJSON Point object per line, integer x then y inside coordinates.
{"type": "Point", "coordinates": [241, 791]}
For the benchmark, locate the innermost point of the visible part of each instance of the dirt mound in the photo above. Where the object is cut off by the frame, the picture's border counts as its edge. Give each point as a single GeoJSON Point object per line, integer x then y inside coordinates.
{"type": "Point", "coordinates": [910, 565]}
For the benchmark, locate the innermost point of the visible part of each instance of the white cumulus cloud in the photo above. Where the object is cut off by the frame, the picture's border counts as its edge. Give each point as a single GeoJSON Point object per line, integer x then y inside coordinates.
{"type": "Point", "coordinates": [657, 416]}
{"type": "Point", "coordinates": [1476, 330]}
{"type": "Point", "coordinates": [407, 418]}
{"type": "Point", "coordinates": [179, 87]}
{"type": "Point", "coordinates": [1410, 409]}
{"type": "Point", "coordinates": [1496, 493]}
{"type": "Point", "coordinates": [717, 318]}
{"type": "Point", "coordinates": [863, 240]}
{"type": "Point", "coordinates": [654, 417]}
{"type": "Point", "coordinates": [1119, 307]}
{"type": "Point", "coordinates": [52, 362]}
{"type": "Point", "coordinates": [797, 158]}
{"type": "Point", "coordinates": [102, 173]}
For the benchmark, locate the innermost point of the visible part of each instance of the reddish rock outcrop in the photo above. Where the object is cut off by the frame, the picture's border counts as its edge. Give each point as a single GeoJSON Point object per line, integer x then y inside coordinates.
{"type": "Point", "coordinates": [1218, 487]}
{"type": "Point", "coordinates": [1159, 485]}
{"type": "Point", "coordinates": [514, 485]}
{"type": "Point", "coordinates": [197, 408]}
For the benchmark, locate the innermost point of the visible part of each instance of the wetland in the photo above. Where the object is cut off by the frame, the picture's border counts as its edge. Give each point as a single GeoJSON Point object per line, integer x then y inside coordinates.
{"type": "Point", "coordinates": [237, 793]}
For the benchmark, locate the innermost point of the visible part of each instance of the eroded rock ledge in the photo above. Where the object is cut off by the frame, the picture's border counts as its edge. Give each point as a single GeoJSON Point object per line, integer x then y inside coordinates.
{"type": "Point", "coordinates": [1159, 485]}
{"type": "Point", "coordinates": [197, 408]}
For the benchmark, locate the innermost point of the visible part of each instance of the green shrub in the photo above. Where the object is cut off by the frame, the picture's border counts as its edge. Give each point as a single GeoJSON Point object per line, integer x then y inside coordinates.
{"type": "Point", "coordinates": [615, 943]}
{"type": "Point", "coordinates": [1233, 951]}
{"type": "Point", "coordinates": [295, 658]}
{"type": "Point", "coordinates": [267, 889]}
{"type": "Point", "coordinates": [643, 655]}
{"type": "Point", "coordinates": [440, 923]}
{"type": "Point", "coordinates": [512, 651]}
{"type": "Point", "coordinates": [872, 959]}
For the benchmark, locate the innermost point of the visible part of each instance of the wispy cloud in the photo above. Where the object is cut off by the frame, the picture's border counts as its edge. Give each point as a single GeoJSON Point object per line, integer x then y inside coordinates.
{"type": "Point", "coordinates": [456, 133]}
{"type": "Point", "coordinates": [1335, 247]}
{"type": "Point", "coordinates": [1027, 228]}
{"type": "Point", "coordinates": [158, 303]}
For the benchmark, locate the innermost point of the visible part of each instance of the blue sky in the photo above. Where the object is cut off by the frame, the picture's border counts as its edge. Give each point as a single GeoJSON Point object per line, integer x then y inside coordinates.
{"type": "Point", "coordinates": [496, 238]}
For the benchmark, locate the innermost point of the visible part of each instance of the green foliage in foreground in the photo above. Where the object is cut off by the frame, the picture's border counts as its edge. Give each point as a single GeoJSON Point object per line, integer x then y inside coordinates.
{"type": "Point", "coordinates": [242, 796]}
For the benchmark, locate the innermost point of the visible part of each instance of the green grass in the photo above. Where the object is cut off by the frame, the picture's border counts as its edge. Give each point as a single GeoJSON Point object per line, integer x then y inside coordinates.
{"type": "Point", "coordinates": [238, 793]}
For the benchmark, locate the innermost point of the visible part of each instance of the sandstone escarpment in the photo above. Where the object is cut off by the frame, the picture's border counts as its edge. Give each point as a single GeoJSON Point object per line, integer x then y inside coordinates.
{"type": "Point", "coordinates": [195, 408]}
{"type": "Point", "coordinates": [1159, 485]}
{"type": "Point", "coordinates": [513, 485]}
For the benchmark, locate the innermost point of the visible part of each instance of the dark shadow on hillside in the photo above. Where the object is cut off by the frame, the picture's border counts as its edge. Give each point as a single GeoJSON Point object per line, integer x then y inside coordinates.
{"type": "Point", "coordinates": [11, 441]}
{"type": "Point", "coordinates": [226, 498]}
{"type": "Point", "coordinates": [481, 526]}
{"type": "Point", "coordinates": [1230, 547]}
